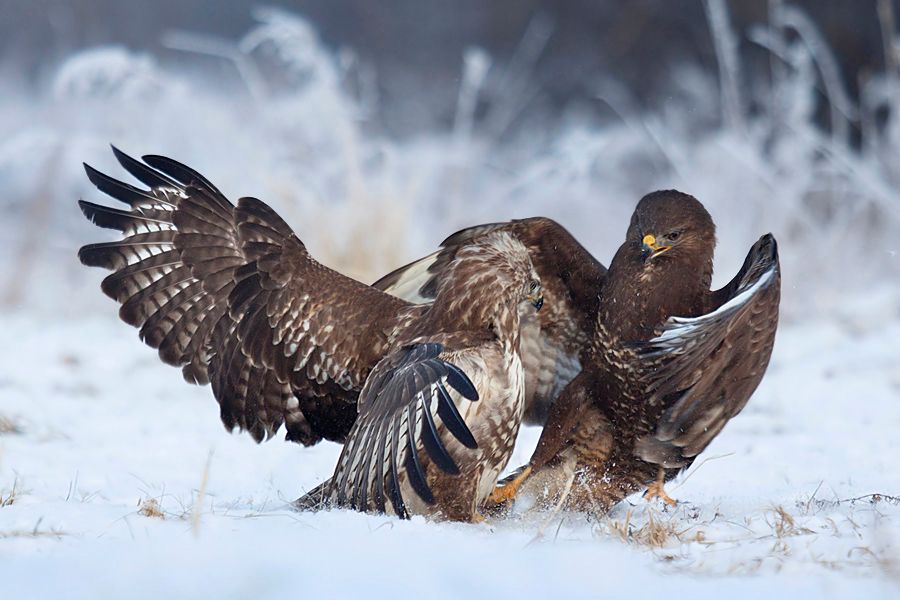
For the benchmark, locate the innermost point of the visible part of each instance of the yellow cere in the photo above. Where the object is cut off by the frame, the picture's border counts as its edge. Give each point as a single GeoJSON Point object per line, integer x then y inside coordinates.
{"type": "Point", "coordinates": [649, 240]}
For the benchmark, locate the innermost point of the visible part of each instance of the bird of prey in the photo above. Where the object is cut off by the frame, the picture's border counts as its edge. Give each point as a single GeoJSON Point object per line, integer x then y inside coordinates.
{"type": "Point", "coordinates": [553, 339]}
{"type": "Point", "coordinates": [664, 363]}
{"type": "Point", "coordinates": [231, 295]}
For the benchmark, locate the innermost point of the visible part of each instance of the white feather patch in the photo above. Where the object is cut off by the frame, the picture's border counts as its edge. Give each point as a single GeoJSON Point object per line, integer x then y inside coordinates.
{"type": "Point", "coordinates": [410, 283]}
{"type": "Point", "coordinates": [678, 327]}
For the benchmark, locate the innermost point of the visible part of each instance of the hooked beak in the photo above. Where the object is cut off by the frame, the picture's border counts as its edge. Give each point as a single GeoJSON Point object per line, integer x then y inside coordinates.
{"type": "Point", "coordinates": [537, 300]}
{"type": "Point", "coordinates": [651, 249]}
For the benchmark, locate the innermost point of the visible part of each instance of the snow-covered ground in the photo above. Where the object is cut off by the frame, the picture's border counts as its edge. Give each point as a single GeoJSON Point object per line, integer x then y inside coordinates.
{"type": "Point", "coordinates": [118, 480]}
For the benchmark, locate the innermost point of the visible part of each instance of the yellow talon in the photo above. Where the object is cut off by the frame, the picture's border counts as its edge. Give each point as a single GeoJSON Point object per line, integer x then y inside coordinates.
{"type": "Point", "coordinates": [507, 492]}
{"type": "Point", "coordinates": [657, 490]}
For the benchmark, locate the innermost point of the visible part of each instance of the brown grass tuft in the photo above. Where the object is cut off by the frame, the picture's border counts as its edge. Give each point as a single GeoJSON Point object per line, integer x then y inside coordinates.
{"type": "Point", "coordinates": [655, 533]}
{"type": "Point", "coordinates": [784, 524]}
{"type": "Point", "coordinates": [150, 508]}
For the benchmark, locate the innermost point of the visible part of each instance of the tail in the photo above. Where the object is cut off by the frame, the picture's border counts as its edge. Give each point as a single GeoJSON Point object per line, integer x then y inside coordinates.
{"type": "Point", "coordinates": [314, 500]}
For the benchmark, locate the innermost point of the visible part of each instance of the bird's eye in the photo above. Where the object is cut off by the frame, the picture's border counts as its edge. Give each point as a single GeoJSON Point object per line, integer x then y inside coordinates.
{"type": "Point", "coordinates": [674, 236]}
{"type": "Point", "coordinates": [533, 285]}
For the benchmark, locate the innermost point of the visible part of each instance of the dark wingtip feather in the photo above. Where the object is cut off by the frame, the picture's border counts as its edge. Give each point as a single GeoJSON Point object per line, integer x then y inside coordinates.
{"type": "Point", "coordinates": [106, 217]}
{"type": "Point", "coordinates": [456, 425]}
{"type": "Point", "coordinates": [97, 255]}
{"type": "Point", "coordinates": [193, 376]}
{"type": "Point", "coordinates": [178, 171]}
{"type": "Point", "coordinates": [768, 244]}
{"type": "Point", "coordinates": [142, 172]}
{"type": "Point", "coordinates": [93, 175]}
{"type": "Point", "coordinates": [87, 257]}
{"type": "Point", "coordinates": [460, 382]}
{"type": "Point", "coordinates": [435, 448]}
{"type": "Point", "coordinates": [114, 188]}
{"type": "Point", "coordinates": [414, 466]}
{"type": "Point", "coordinates": [112, 288]}
{"type": "Point", "coordinates": [257, 432]}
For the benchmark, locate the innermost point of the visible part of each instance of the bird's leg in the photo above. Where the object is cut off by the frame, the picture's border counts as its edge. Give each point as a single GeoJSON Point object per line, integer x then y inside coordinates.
{"type": "Point", "coordinates": [507, 492]}
{"type": "Point", "coordinates": [657, 490]}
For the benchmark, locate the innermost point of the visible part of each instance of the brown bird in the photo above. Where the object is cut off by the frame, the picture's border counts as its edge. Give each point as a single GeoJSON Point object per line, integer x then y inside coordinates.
{"type": "Point", "coordinates": [665, 362]}
{"type": "Point", "coordinates": [552, 339]}
{"type": "Point", "coordinates": [231, 295]}
{"type": "Point", "coordinates": [669, 364]}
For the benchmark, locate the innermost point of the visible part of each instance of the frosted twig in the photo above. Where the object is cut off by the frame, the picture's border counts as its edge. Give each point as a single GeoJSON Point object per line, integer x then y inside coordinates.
{"type": "Point", "coordinates": [201, 494]}
{"type": "Point", "coordinates": [511, 89]}
{"type": "Point", "coordinates": [697, 468]}
{"type": "Point", "coordinates": [476, 64]}
{"type": "Point", "coordinates": [888, 27]}
{"type": "Point", "coordinates": [212, 46]}
{"type": "Point", "coordinates": [842, 108]}
{"type": "Point", "coordinates": [725, 43]}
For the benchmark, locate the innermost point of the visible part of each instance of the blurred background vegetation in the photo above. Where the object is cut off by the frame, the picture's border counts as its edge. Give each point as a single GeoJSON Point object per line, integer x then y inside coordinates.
{"type": "Point", "coordinates": [381, 127]}
{"type": "Point", "coordinates": [574, 45]}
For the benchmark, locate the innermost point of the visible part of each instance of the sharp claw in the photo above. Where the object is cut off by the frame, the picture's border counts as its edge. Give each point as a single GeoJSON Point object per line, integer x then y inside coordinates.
{"type": "Point", "coordinates": [505, 493]}
{"type": "Point", "coordinates": [656, 490]}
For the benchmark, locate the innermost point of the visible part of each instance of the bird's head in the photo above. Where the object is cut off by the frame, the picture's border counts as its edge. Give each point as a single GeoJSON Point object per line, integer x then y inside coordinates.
{"type": "Point", "coordinates": [663, 268]}
{"type": "Point", "coordinates": [492, 276]}
{"type": "Point", "coordinates": [670, 227]}
{"type": "Point", "coordinates": [512, 267]}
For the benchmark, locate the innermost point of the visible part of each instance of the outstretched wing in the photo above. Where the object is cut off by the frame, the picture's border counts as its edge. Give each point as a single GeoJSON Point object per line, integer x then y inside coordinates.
{"type": "Point", "coordinates": [571, 278]}
{"type": "Point", "coordinates": [399, 407]}
{"type": "Point", "coordinates": [232, 296]}
{"type": "Point", "coordinates": [173, 292]}
{"type": "Point", "coordinates": [704, 369]}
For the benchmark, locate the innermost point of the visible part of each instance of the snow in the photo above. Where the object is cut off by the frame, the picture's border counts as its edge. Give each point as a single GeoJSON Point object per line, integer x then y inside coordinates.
{"type": "Point", "coordinates": [103, 427]}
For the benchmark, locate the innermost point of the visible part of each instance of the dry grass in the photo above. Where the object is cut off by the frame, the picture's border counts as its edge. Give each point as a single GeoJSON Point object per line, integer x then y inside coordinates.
{"type": "Point", "coordinates": [784, 525]}
{"type": "Point", "coordinates": [703, 541]}
{"type": "Point", "coordinates": [11, 497]}
{"type": "Point", "coordinates": [8, 425]}
{"type": "Point", "coordinates": [35, 532]}
{"type": "Point", "coordinates": [654, 533]}
{"type": "Point", "coordinates": [150, 508]}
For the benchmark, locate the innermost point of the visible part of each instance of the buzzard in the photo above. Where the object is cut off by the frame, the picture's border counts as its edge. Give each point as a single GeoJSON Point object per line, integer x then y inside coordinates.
{"type": "Point", "coordinates": [553, 339]}
{"type": "Point", "coordinates": [231, 295]}
{"type": "Point", "coordinates": [662, 362]}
